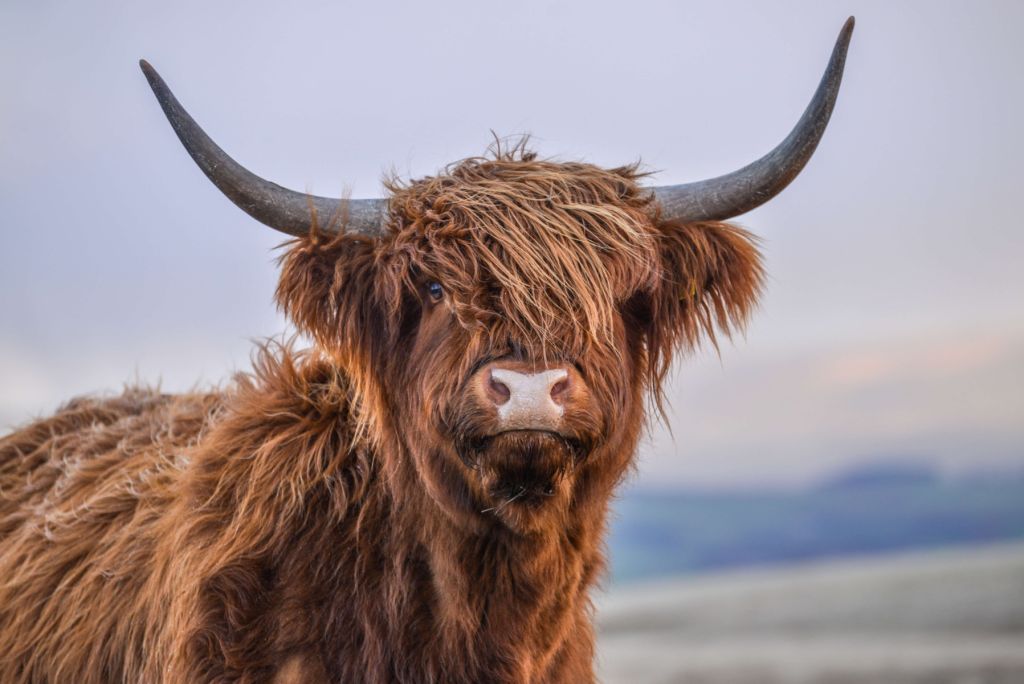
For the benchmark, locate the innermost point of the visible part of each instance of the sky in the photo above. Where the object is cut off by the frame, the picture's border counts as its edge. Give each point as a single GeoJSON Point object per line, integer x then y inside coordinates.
{"type": "Point", "coordinates": [892, 327]}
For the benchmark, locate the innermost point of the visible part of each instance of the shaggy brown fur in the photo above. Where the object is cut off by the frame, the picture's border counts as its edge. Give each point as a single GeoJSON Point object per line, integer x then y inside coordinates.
{"type": "Point", "coordinates": [336, 516]}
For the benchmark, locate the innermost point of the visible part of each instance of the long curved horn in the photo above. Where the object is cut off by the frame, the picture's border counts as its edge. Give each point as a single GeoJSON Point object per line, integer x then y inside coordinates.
{"type": "Point", "coordinates": [285, 210]}
{"type": "Point", "coordinates": [740, 191]}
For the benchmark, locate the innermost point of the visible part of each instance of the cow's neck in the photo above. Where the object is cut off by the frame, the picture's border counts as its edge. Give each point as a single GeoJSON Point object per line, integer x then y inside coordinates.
{"type": "Point", "coordinates": [513, 599]}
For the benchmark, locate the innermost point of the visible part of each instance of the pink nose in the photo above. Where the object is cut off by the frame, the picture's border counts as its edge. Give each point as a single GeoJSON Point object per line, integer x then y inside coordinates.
{"type": "Point", "coordinates": [527, 400]}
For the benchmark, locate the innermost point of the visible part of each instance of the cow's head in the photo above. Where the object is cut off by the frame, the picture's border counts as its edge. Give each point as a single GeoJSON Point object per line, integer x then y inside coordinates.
{"type": "Point", "coordinates": [504, 321]}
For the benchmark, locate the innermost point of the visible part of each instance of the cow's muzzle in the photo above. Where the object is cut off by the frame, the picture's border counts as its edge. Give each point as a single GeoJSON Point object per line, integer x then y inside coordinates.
{"type": "Point", "coordinates": [518, 395]}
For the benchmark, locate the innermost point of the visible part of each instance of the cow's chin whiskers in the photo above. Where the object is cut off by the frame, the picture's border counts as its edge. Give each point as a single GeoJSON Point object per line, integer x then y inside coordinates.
{"type": "Point", "coordinates": [524, 475]}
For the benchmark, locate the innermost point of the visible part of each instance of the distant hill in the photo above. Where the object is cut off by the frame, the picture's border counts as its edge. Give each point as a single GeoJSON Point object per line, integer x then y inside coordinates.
{"type": "Point", "coordinates": [881, 475]}
{"type": "Point", "coordinates": [658, 534]}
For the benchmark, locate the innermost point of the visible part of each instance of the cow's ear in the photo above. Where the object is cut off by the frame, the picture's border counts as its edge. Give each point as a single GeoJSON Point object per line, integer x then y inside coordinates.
{"type": "Point", "coordinates": [711, 279]}
{"type": "Point", "coordinates": [327, 288]}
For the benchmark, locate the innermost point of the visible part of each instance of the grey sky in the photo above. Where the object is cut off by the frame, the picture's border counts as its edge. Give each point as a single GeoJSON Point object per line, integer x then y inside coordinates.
{"type": "Point", "coordinates": [892, 325]}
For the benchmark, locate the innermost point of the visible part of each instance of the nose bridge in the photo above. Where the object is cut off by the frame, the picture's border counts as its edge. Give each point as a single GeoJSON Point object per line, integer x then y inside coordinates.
{"type": "Point", "coordinates": [525, 398]}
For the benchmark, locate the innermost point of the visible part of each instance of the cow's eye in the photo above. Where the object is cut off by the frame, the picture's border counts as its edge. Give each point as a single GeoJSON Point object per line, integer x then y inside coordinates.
{"type": "Point", "coordinates": [435, 290]}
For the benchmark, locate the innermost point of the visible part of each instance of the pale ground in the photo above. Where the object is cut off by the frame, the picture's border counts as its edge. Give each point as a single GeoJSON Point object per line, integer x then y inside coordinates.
{"type": "Point", "coordinates": [946, 617]}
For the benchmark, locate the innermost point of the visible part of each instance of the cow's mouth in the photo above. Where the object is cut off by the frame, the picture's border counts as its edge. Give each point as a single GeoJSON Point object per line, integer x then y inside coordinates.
{"type": "Point", "coordinates": [525, 440]}
{"type": "Point", "coordinates": [524, 469]}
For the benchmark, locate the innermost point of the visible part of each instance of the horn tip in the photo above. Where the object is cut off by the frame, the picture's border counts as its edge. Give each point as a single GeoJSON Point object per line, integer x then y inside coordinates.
{"type": "Point", "coordinates": [843, 40]}
{"type": "Point", "coordinates": [150, 73]}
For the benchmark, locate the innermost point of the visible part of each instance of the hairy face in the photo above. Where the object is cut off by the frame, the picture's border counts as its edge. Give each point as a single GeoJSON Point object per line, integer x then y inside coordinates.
{"type": "Point", "coordinates": [517, 419]}
{"type": "Point", "coordinates": [506, 331]}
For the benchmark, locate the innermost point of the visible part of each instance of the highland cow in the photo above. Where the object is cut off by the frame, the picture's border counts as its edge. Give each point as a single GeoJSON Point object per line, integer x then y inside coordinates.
{"type": "Point", "coordinates": [422, 495]}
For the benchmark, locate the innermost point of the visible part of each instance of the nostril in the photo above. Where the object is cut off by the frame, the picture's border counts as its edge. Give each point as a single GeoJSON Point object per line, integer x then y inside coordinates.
{"type": "Point", "coordinates": [559, 390]}
{"type": "Point", "coordinates": [498, 391]}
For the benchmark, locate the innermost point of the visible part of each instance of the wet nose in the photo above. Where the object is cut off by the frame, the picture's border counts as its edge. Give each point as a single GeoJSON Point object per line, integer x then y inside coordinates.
{"type": "Point", "coordinates": [525, 400]}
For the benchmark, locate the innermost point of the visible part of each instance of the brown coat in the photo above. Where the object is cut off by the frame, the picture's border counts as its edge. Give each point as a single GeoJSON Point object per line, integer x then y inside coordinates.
{"type": "Point", "coordinates": [333, 516]}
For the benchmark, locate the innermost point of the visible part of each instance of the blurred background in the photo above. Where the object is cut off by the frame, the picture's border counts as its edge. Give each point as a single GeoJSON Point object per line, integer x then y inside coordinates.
{"type": "Point", "coordinates": [836, 497]}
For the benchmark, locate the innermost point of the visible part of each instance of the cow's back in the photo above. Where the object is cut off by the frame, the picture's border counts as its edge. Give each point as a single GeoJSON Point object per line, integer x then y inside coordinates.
{"type": "Point", "coordinates": [80, 494]}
